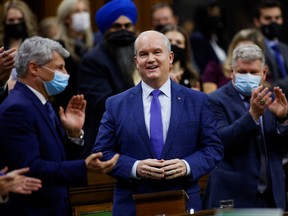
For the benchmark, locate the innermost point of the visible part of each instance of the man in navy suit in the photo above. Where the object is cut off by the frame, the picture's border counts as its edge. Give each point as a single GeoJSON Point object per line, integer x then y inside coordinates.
{"type": "Point", "coordinates": [191, 146]}
{"type": "Point", "coordinates": [253, 125]}
{"type": "Point", "coordinates": [32, 135]}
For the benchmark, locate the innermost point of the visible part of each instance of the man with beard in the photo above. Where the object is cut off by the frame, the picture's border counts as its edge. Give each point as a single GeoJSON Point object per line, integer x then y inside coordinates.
{"type": "Point", "coordinates": [268, 18]}
{"type": "Point", "coordinates": [108, 68]}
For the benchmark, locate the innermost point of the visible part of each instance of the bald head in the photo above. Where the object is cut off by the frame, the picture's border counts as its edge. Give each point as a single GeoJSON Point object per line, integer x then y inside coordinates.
{"type": "Point", "coordinates": [151, 34]}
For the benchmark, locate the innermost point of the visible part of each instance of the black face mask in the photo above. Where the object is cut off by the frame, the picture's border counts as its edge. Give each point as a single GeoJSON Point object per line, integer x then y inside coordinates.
{"type": "Point", "coordinates": [121, 38]}
{"type": "Point", "coordinates": [179, 53]}
{"type": "Point", "coordinates": [16, 30]}
{"type": "Point", "coordinates": [272, 31]}
{"type": "Point", "coordinates": [159, 27]}
{"type": "Point", "coordinates": [214, 23]}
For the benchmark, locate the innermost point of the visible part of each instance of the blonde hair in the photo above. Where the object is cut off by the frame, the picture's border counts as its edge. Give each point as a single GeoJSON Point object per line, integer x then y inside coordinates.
{"type": "Point", "coordinates": [249, 34]}
{"type": "Point", "coordinates": [64, 10]}
{"type": "Point", "coordinates": [30, 18]}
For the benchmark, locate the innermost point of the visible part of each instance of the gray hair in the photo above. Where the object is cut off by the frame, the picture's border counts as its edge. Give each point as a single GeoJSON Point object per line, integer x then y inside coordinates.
{"type": "Point", "coordinates": [39, 50]}
{"type": "Point", "coordinates": [166, 41]}
{"type": "Point", "coordinates": [248, 53]}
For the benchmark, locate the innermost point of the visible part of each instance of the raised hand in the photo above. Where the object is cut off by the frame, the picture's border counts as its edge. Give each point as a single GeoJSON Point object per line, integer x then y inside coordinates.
{"type": "Point", "coordinates": [73, 118]}
{"type": "Point", "coordinates": [6, 64]}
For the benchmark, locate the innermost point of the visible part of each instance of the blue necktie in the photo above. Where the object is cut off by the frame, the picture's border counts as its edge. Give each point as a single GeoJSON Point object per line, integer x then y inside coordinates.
{"type": "Point", "coordinates": [279, 60]}
{"type": "Point", "coordinates": [51, 112]}
{"type": "Point", "coordinates": [156, 128]}
{"type": "Point", "coordinates": [263, 174]}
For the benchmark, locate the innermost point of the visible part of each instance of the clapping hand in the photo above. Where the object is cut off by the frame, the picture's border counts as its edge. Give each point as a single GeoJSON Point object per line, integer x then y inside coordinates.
{"type": "Point", "coordinates": [94, 163]}
{"type": "Point", "coordinates": [279, 107]}
{"type": "Point", "coordinates": [6, 64]}
{"type": "Point", "coordinates": [73, 118]}
{"type": "Point", "coordinates": [16, 182]}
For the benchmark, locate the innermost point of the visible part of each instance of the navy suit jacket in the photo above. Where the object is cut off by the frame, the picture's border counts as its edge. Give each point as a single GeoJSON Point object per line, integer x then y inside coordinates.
{"type": "Point", "coordinates": [236, 176]}
{"type": "Point", "coordinates": [191, 136]}
{"type": "Point", "coordinates": [28, 138]}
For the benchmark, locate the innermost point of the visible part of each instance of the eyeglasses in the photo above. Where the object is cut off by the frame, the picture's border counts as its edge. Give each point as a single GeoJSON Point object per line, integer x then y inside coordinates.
{"type": "Point", "coordinates": [118, 26]}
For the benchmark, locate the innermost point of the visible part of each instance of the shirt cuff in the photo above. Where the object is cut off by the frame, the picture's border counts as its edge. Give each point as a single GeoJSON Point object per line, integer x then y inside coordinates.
{"type": "Point", "coordinates": [134, 170]}
{"type": "Point", "coordinates": [78, 141]}
{"type": "Point", "coordinates": [188, 170]}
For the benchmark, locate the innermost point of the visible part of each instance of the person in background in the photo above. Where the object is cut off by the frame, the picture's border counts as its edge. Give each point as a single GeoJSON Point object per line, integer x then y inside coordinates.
{"type": "Point", "coordinates": [16, 182]}
{"type": "Point", "coordinates": [108, 69]}
{"type": "Point", "coordinates": [17, 23]}
{"type": "Point", "coordinates": [162, 14]}
{"type": "Point", "coordinates": [216, 74]}
{"type": "Point", "coordinates": [32, 135]}
{"type": "Point", "coordinates": [182, 71]}
{"type": "Point", "coordinates": [253, 124]}
{"type": "Point", "coordinates": [75, 34]}
{"type": "Point", "coordinates": [48, 27]}
{"type": "Point", "coordinates": [269, 19]}
{"type": "Point", "coordinates": [208, 42]}
{"type": "Point", "coordinates": [182, 147]}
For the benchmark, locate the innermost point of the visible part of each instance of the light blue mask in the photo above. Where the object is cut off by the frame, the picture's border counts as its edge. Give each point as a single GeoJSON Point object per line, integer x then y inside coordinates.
{"type": "Point", "coordinates": [244, 83]}
{"type": "Point", "coordinates": [58, 84]}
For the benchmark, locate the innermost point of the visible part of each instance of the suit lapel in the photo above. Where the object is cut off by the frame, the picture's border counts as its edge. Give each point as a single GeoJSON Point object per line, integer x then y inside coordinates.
{"type": "Point", "coordinates": [231, 91]}
{"type": "Point", "coordinates": [138, 112]}
{"type": "Point", "coordinates": [177, 101]}
{"type": "Point", "coordinates": [42, 110]}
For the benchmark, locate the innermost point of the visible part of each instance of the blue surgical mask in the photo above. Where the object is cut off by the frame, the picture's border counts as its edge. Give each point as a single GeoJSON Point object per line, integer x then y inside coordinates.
{"type": "Point", "coordinates": [244, 83]}
{"type": "Point", "coordinates": [58, 84]}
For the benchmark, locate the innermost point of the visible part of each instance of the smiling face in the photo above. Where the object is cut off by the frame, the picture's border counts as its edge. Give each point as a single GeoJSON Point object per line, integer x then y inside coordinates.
{"type": "Point", "coordinates": [153, 60]}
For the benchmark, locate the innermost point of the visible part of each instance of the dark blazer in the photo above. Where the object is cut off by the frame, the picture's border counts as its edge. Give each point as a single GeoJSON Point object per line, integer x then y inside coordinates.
{"type": "Point", "coordinates": [29, 139]}
{"type": "Point", "coordinates": [98, 78]}
{"type": "Point", "coordinates": [202, 50]}
{"type": "Point", "coordinates": [274, 73]}
{"type": "Point", "coordinates": [191, 136]}
{"type": "Point", "coordinates": [236, 176]}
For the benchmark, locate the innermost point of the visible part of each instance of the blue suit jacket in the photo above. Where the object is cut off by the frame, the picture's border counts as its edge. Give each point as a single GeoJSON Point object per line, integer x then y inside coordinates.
{"type": "Point", "coordinates": [191, 136]}
{"type": "Point", "coordinates": [236, 176]}
{"type": "Point", "coordinates": [29, 139]}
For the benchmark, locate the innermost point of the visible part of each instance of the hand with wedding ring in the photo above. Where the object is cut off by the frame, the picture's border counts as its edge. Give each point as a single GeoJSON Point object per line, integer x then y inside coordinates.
{"type": "Point", "coordinates": [150, 168]}
{"type": "Point", "coordinates": [174, 168]}
{"type": "Point", "coordinates": [260, 99]}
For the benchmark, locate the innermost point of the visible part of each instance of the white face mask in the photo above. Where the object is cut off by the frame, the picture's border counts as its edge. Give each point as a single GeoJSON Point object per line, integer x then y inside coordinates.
{"type": "Point", "coordinates": [81, 21]}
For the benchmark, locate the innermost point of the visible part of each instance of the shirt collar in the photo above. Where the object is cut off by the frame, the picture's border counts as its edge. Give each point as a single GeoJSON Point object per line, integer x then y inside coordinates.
{"type": "Point", "coordinates": [38, 95]}
{"type": "Point", "coordinates": [165, 88]}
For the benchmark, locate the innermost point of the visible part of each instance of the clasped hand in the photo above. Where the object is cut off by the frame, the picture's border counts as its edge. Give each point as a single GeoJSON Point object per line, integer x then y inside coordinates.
{"type": "Point", "coordinates": [161, 169]}
{"type": "Point", "coordinates": [261, 99]}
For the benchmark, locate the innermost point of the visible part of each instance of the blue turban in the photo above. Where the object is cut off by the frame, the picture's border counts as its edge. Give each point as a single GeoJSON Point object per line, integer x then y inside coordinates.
{"type": "Point", "coordinates": [112, 10]}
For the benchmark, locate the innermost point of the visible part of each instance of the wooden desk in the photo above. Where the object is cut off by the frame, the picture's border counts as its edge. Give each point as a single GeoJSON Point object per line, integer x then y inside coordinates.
{"type": "Point", "coordinates": [97, 196]}
{"type": "Point", "coordinates": [168, 203]}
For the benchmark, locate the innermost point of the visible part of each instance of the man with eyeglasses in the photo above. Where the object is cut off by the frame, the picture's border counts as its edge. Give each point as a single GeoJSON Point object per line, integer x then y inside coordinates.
{"type": "Point", "coordinates": [108, 68]}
